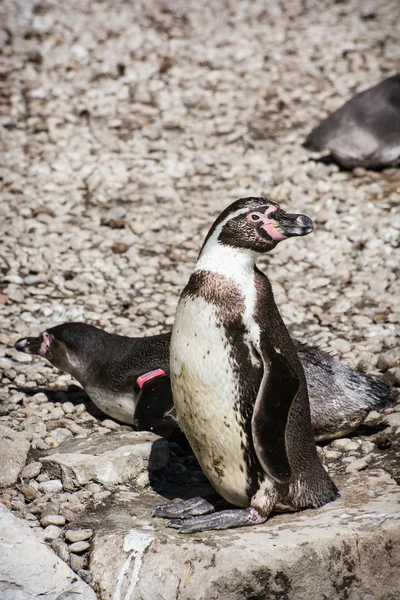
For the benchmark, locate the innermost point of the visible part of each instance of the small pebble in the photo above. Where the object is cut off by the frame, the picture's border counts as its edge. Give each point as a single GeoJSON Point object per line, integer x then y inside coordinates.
{"type": "Point", "coordinates": [68, 408]}
{"type": "Point", "coordinates": [77, 562]}
{"type": "Point", "coordinates": [110, 424]}
{"type": "Point", "coordinates": [143, 479]}
{"type": "Point", "coordinates": [41, 445]}
{"type": "Point", "coordinates": [385, 361]}
{"type": "Point", "coordinates": [332, 454]}
{"type": "Point", "coordinates": [79, 547]}
{"type": "Point", "coordinates": [367, 447]}
{"type": "Point", "coordinates": [357, 465]}
{"type": "Point", "coordinates": [93, 488]}
{"type": "Point", "coordinates": [345, 444]}
{"type": "Point", "coordinates": [40, 398]}
{"type": "Point", "coordinates": [393, 420]}
{"type": "Point", "coordinates": [101, 495]}
{"type": "Point", "coordinates": [52, 532]}
{"type": "Point", "coordinates": [32, 470]}
{"type": "Point", "coordinates": [43, 477]}
{"type": "Point", "coordinates": [58, 520]}
{"type": "Point", "coordinates": [50, 487]}
{"type": "Point", "coordinates": [78, 535]}
{"type": "Point", "coordinates": [86, 575]}
{"type": "Point", "coordinates": [28, 491]}
{"type": "Point", "coordinates": [61, 549]}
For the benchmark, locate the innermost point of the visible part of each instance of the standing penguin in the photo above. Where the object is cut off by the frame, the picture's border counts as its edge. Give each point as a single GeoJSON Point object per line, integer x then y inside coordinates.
{"type": "Point", "coordinates": [238, 385]}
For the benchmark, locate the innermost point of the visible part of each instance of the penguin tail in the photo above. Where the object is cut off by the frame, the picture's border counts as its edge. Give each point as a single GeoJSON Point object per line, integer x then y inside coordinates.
{"type": "Point", "coordinates": [372, 393]}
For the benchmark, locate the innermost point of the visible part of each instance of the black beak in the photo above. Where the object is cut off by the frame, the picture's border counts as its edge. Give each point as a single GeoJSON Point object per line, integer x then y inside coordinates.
{"type": "Point", "coordinates": [293, 225]}
{"type": "Point", "coordinates": [29, 345]}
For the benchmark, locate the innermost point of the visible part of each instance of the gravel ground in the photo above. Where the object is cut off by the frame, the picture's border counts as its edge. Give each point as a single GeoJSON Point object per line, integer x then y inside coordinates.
{"type": "Point", "coordinates": [127, 127]}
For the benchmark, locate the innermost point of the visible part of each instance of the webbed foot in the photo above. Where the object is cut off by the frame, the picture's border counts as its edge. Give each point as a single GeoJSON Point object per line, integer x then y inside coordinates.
{"type": "Point", "coordinates": [183, 509]}
{"type": "Point", "coordinates": [225, 519]}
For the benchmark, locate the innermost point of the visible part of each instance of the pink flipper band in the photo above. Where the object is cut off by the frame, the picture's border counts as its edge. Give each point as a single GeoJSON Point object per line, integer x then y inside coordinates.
{"type": "Point", "coordinates": [46, 344]}
{"type": "Point", "coordinates": [142, 379]}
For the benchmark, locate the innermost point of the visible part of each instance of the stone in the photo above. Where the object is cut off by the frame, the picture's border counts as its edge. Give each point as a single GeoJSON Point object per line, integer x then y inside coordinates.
{"type": "Point", "coordinates": [77, 562]}
{"type": "Point", "coordinates": [79, 547]}
{"type": "Point", "coordinates": [111, 459]}
{"type": "Point", "coordinates": [50, 487]}
{"type": "Point", "coordinates": [28, 491]}
{"type": "Point", "coordinates": [6, 408]}
{"type": "Point", "coordinates": [385, 361]}
{"type": "Point", "coordinates": [32, 470]}
{"type": "Point", "coordinates": [56, 519]}
{"type": "Point", "coordinates": [345, 444]}
{"type": "Point", "coordinates": [357, 465]}
{"type": "Point", "coordinates": [360, 530]}
{"type": "Point", "coordinates": [78, 535]}
{"type": "Point", "coordinates": [85, 575]}
{"type": "Point", "coordinates": [61, 549]}
{"type": "Point", "coordinates": [51, 532]}
{"type": "Point", "coordinates": [393, 420]}
{"type": "Point", "coordinates": [36, 430]}
{"type": "Point", "coordinates": [29, 569]}
{"type": "Point", "coordinates": [14, 449]}
{"type": "Point", "coordinates": [368, 447]}
{"type": "Point", "coordinates": [110, 424]}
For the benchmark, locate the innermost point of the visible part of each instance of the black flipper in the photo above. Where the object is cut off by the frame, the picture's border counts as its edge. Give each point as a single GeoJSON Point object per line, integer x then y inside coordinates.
{"type": "Point", "coordinates": [154, 409]}
{"type": "Point", "coordinates": [278, 390]}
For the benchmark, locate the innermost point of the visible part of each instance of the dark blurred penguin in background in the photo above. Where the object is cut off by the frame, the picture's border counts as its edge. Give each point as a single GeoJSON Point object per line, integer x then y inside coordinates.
{"type": "Point", "coordinates": [128, 379]}
{"type": "Point", "coordinates": [365, 131]}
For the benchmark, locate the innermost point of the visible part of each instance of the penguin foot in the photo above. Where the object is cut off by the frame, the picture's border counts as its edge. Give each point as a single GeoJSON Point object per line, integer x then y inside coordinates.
{"type": "Point", "coordinates": [184, 509]}
{"type": "Point", "coordinates": [226, 519]}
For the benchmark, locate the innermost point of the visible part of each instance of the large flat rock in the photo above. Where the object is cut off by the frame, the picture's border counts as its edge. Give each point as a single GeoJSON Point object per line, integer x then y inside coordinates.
{"type": "Point", "coordinates": [346, 550]}
{"type": "Point", "coordinates": [29, 569]}
{"type": "Point", "coordinates": [14, 449]}
{"type": "Point", "coordinates": [109, 459]}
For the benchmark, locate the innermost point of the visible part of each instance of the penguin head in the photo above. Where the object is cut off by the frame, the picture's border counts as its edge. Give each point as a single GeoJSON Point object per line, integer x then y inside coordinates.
{"type": "Point", "coordinates": [257, 225]}
{"type": "Point", "coordinates": [65, 346]}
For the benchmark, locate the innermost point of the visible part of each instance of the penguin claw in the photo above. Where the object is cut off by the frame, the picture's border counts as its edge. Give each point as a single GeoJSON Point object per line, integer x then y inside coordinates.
{"type": "Point", "coordinates": [183, 510]}
{"type": "Point", "coordinates": [225, 519]}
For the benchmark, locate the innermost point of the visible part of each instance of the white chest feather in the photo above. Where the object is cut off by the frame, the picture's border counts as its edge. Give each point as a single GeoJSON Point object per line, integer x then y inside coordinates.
{"type": "Point", "coordinates": [205, 387]}
{"type": "Point", "coordinates": [204, 390]}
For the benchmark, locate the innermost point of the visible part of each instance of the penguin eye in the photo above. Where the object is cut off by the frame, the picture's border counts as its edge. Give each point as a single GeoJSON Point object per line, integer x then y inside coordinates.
{"type": "Point", "coordinates": [255, 217]}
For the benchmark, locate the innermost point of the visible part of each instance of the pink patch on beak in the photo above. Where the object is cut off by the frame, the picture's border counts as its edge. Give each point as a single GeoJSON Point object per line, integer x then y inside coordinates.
{"type": "Point", "coordinates": [46, 344]}
{"type": "Point", "coordinates": [269, 227]}
{"type": "Point", "coordinates": [274, 233]}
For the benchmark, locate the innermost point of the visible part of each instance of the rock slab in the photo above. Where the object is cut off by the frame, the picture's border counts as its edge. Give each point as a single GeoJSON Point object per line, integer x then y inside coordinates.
{"type": "Point", "coordinates": [29, 569]}
{"type": "Point", "coordinates": [348, 549]}
{"type": "Point", "coordinates": [14, 449]}
{"type": "Point", "coordinates": [108, 459]}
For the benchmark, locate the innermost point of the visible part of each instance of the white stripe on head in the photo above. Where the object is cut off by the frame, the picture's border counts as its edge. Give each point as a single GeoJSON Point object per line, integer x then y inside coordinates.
{"type": "Point", "coordinates": [225, 260]}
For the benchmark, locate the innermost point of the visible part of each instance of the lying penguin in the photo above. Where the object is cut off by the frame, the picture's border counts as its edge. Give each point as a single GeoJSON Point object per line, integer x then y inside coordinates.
{"type": "Point", "coordinates": [239, 388]}
{"type": "Point", "coordinates": [128, 379]}
{"type": "Point", "coordinates": [365, 131]}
